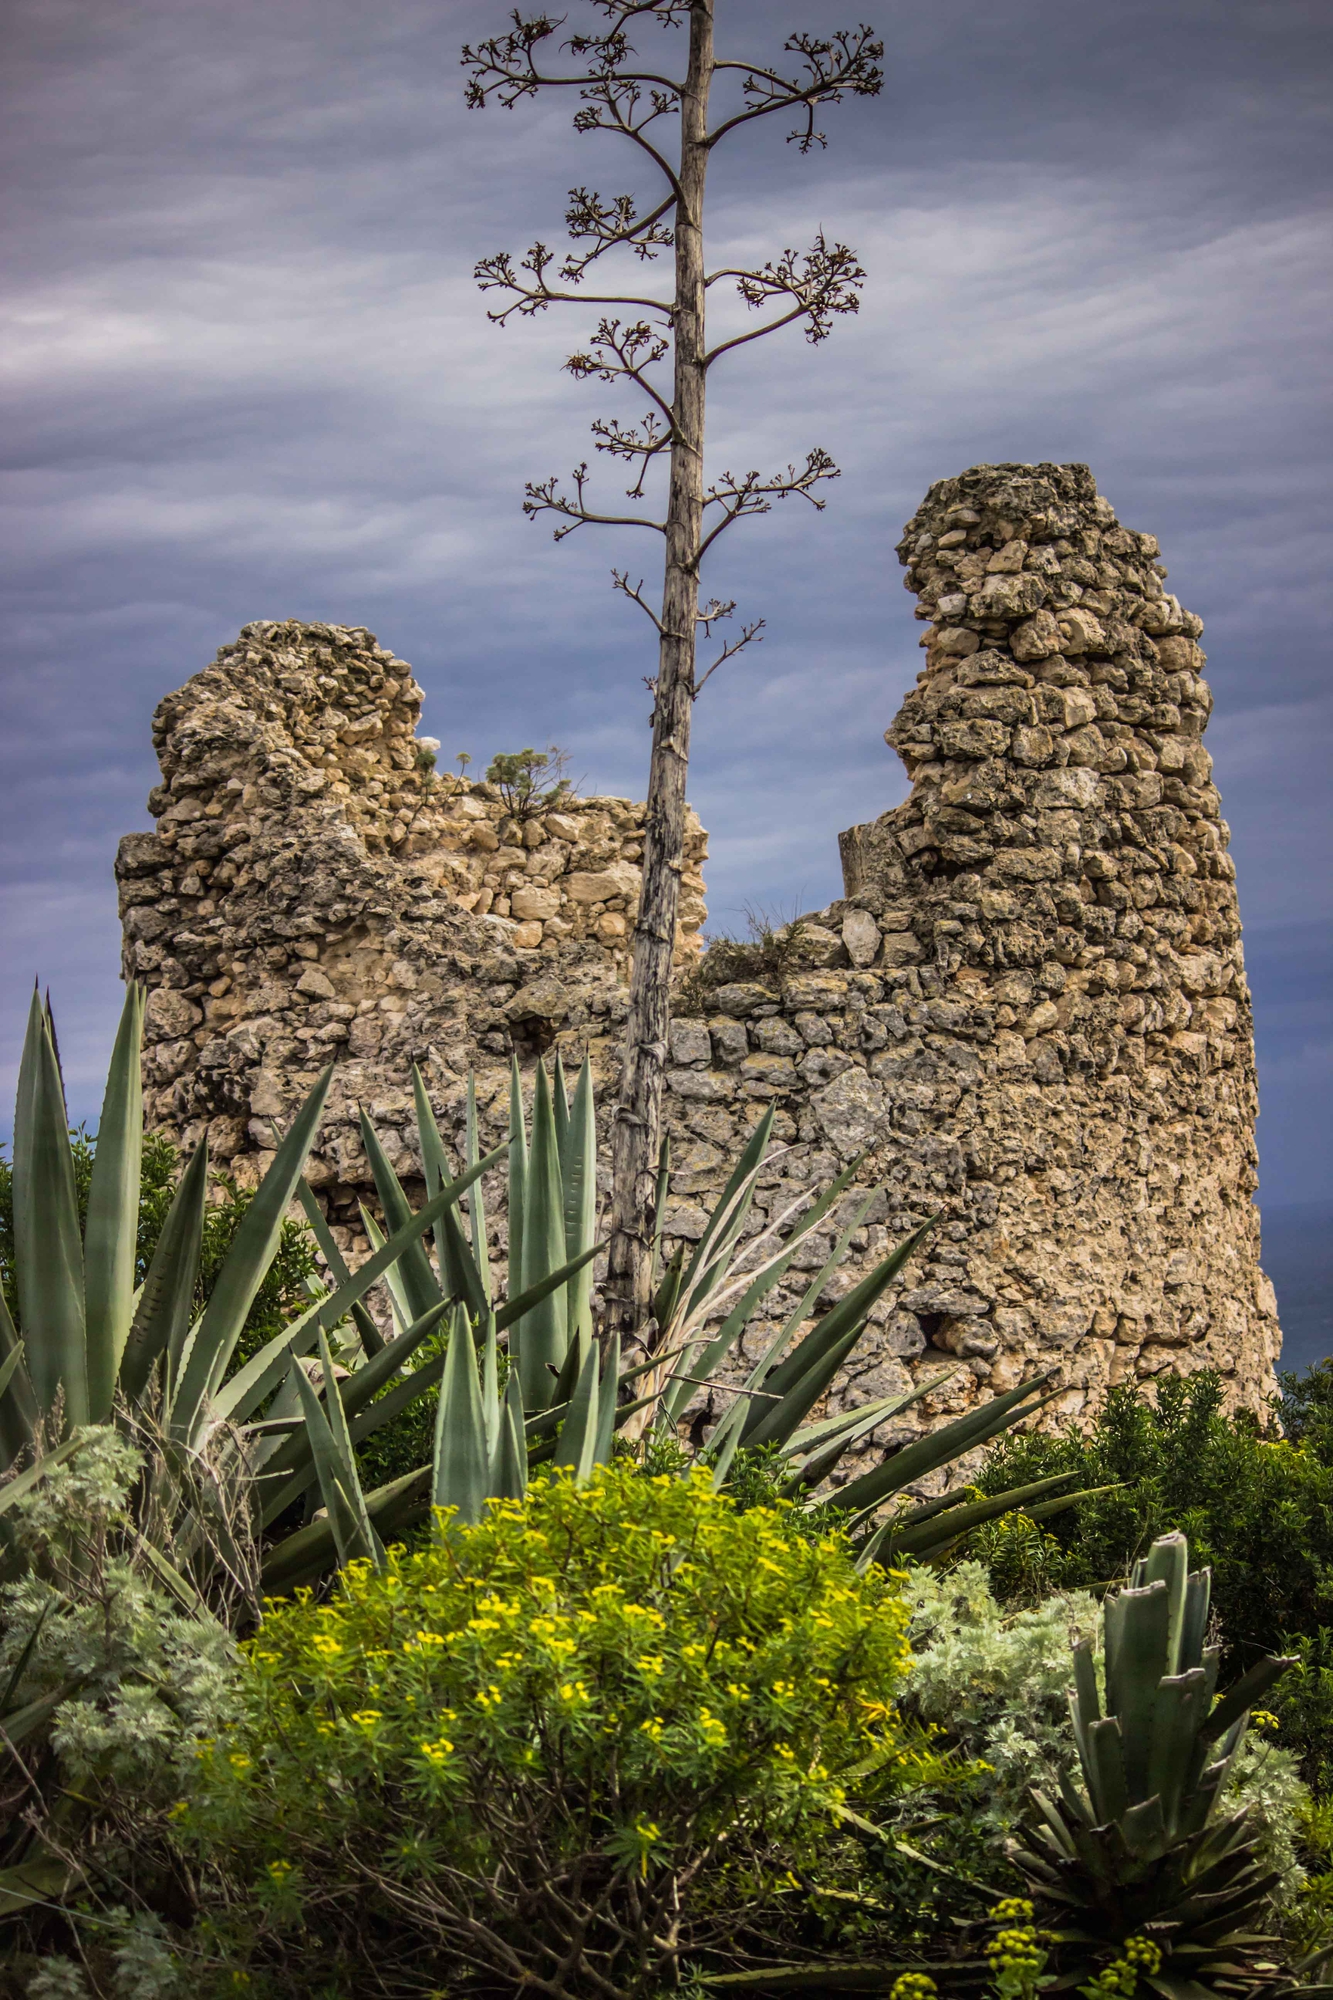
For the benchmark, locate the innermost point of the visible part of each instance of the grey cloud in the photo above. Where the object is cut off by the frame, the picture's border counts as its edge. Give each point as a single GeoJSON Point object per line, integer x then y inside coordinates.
{"type": "Point", "coordinates": [247, 375]}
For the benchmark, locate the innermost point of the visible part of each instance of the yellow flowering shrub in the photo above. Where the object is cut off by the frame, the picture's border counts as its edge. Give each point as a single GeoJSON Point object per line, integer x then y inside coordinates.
{"type": "Point", "coordinates": [567, 1745]}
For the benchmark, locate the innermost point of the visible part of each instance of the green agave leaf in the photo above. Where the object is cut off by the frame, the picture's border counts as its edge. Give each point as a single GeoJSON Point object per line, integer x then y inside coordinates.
{"type": "Point", "coordinates": [914, 1461]}
{"type": "Point", "coordinates": [509, 1466]}
{"type": "Point", "coordinates": [513, 1312]}
{"type": "Point", "coordinates": [179, 1586]}
{"type": "Point", "coordinates": [1089, 1704]}
{"type": "Point", "coordinates": [1194, 1625]}
{"type": "Point", "coordinates": [48, 1250]}
{"type": "Point", "coordinates": [713, 1251]}
{"type": "Point", "coordinates": [1168, 1562]}
{"type": "Point", "coordinates": [866, 1416]}
{"type": "Point", "coordinates": [247, 1389]}
{"type": "Point", "coordinates": [1238, 1700]}
{"type": "Point", "coordinates": [668, 1291]}
{"type": "Point", "coordinates": [490, 1383]}
{"type": "Point", "coordinates": [777, 1421]}
{"type": "Point", "coordinates": [462, 1462]}
{"type": "Point", "coordinates": [335, 1416]}
{"type": "Point", "coordinates": [418, 1280]}
{"type": "Point", "coordinates": [1177, 1712]}
{"type": "Point", "coordinates": [849, 1311]}
{"type": "Point", "coordinates": [840, 1433]}
{"type": "Point", "coordinates": [385, 1408]}
{"type": "Point", "coordinates": [339, 1487]}
{"type": "Point", "coordinates": [1049, 1508]}
{"type": "Point", "coordinates": [578, 1171]}
{"type": "Point", "coordinates": [42, 1879]}
{"type": "Point", "coordinates": [608, 1418]}
{"type": "Point", "coordinates": [712, 1352]}
{"type": "Point", "coordinates": [246, 1266]}
{"type": "Point", "coordinates": [725, 1441]}
{"type": "Point", "coordinates": [20, 1723]}
{"type": "Point", "coordinates": [459, 1275]}
{"type": "Point", "coordinates": [371, 1338]}
{"type": "Point", "coordinates": [393, 1277]}
{"type": "Point", "coordinates": [927, 1538]}
{"type": "Point", "coordinates": [19, 1415]}
{"type": "Point", "coordinates": [110, 1237]}
{"type": "Point", "coordinates": [1144, 1617]}
{"type": "Point", "coordinates": [518, 1182]}
{"type": "Point", "coordinates": [481, 1255]}
{"type": "Point", "coordinates": [20, 1666]}
{"type": "Point", "coordinates": [161, 1321]}
{"type": "Point", "coordinates": [10, 1366]}
{"type": "Point", "coordinates": [22, 1483]}
{"type": "Point", "coordinates": [434, 1159]}
{"type": "Point", "coordinates": [560, 1112]}
{"type": "Point", "coordinates": [544, 1333]}
{"type": "Point", "coordinates": [238, 1399]}
{"type": "Point", "coordinates": [292, 1456]}
{"type": "Point", "coordinates": [1104, 1769]}
{"type": "Point", "coordinates": [577, 1444]}
{"type": "Point", "coordinates": [307, 1555]}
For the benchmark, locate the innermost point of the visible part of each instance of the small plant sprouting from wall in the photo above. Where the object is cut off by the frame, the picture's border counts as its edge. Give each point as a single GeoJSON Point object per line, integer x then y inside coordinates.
{"type": "Point", "coordinates": [531, 781]}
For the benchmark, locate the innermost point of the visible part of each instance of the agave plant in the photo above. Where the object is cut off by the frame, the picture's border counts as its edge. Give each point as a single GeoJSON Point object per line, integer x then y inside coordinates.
{"type": "Point", "coordinates": [566, 1402]}
{"type": "Point", "coordinates": [228, 1451]}
{"type": "Point", "coordinates": [265, 1455]}
{"type": "Point", "coordinates": [1141, 1847]}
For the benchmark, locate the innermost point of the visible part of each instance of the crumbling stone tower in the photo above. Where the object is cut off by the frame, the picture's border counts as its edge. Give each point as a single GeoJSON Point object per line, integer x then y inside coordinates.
{"type": "Point", "coordinates": [1060, 874]}
{"type": "Point", "coordinates": [1027, 1012]}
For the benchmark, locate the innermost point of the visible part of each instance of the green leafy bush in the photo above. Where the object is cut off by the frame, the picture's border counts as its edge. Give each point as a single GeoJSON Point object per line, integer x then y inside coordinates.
{"type": "Point", "coordinates": [572, 1744]}
{"type": "Point", "coordinates": [996, 1680]}
{"type": "Point", "coordinates": [1256, 1505]}
{"type": "Point", "coordinates": [88, 1621]}
{"type": "Point", "coordinates": [106, 1686]}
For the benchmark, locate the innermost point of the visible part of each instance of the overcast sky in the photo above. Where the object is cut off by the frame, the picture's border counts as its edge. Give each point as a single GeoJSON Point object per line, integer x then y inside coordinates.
{"type": "Point", "coordinates": [248, 375]}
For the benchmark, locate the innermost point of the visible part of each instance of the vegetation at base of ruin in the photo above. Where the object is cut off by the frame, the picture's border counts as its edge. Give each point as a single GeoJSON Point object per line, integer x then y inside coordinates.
{"type": "Point", "coordinates": [530, 781]}
{"type": "Point", "coordinates": [280, 1297]}
{"type": "Point", "coordinates": [573, 1743]}
{"type": "Point", "coordinates": [627, 1736]}
{"type": "Point", "coordinates": [238, 1458]}
{"type": "Point", "coordinates": [1255, 1498]}
{"type": "Point", "coordinates": [622, 90]}
{"type": "Point", "coordinates": [766, 953]}
{"type": "Point", "coordinates": [428, 1761]}
{"type": "Point", "coordinates": [227, 1453]}
{"type": "Point", "coordinates": [107, 1684]}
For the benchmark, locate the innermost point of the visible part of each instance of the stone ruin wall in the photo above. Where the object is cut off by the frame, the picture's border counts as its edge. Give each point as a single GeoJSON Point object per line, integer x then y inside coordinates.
{"type": "Point", "coordinates": [1028, 1009]}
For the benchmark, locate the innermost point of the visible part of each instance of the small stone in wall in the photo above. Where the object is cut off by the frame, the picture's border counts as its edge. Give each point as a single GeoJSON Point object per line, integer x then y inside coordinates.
{"type": "Point", "coordinates": [849, 1110]}
{"type": "Point", "coordinates": [690, 1043]}
{"type": "Point", "coordinates": [169, 1015]}
{"type": "Point", "coordinates": [860, 934]}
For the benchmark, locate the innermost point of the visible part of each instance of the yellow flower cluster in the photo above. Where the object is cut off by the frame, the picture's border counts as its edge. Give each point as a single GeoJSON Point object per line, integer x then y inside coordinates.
{"type": "Point", "coordinates": [717, 1651]}
{"type": "Point", "coordinates": [913, 1986]}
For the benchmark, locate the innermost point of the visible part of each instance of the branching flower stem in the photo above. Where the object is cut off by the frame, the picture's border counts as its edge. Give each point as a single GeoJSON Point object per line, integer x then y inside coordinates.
{"type": "Point", "coordinates": [638, 334]}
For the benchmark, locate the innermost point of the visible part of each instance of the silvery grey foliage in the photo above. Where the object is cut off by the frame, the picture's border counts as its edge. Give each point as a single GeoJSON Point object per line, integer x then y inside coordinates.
{"type": "Point", "coordinates": [146, 1677]}
{"type": "Point", "coordinates": [997, 1679]}
{"type": "Point", "coordinates": [59, 1979]}
{"type": "Point", "coordinates": [143, 1967]}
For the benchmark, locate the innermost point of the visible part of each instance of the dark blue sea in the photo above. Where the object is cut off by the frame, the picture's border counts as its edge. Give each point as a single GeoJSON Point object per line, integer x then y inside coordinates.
{"type": "Point", "coordinates": [1298, 1257]}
